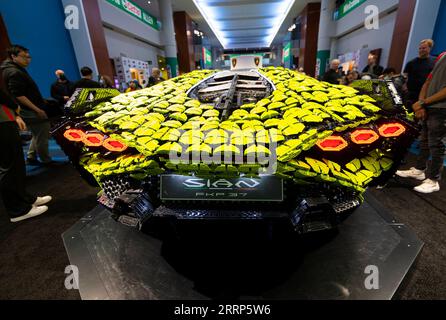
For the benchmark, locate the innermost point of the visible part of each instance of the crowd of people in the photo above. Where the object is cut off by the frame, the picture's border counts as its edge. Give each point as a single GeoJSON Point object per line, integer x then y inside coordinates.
{"type": "Point", "coordinates": [408, 83]}
{"type": "Point", "coordinates": [22, 107]}
{"type": "Point", "coordinates": [422, 86]}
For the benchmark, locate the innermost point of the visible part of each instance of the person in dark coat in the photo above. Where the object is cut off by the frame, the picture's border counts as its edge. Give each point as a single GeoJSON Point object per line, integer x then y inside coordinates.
{"type": "Point", "coordinates": [25, 91]}
{"type": "Point", "coordinates": [61, 89]}
{"type": "Point", "coordinates": [155, 78]}
{"type": "Point", "coordinates": [19, 204]}
{"type": "Point", "coordinates": [431, 110]}
{"type": "Point", "coordinates": [333, 75]}
{"type": "Point", "coordinates": [373, 68]}
{"type": "Point", "coordinates": [87, 81]}
{"type": "Point", "coordinates": [418, 69]}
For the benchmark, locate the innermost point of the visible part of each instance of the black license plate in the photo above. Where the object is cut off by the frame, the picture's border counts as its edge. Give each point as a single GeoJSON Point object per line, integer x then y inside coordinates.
{"type": "Point", "coordinates": [266, 188]}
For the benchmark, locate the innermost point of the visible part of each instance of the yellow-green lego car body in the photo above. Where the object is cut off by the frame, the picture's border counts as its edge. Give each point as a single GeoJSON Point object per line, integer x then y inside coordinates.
{"type": "Point", "coordinates": [221, 132]}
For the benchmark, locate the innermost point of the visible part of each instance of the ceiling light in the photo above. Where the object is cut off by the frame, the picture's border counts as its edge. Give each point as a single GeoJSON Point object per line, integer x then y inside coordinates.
{"type": "Point", "coordinates": [287, 5]}
{"type": "Point", "coordinates": [205, 12]}
{"type": "Point", "coordinates": [211, 13]}
{"type": "Point", "coordinates": [149, 2]}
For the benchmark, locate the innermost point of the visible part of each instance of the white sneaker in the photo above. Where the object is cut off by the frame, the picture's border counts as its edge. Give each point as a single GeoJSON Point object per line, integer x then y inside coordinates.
{"type": "Point", "coordinates": [412, 173]}
{"type": "Point", "coordinates": [428, 186]}
{"type": "Point", "coordinates": [42, 200]}
{"type": "Point", "coordinates": [34, 212]}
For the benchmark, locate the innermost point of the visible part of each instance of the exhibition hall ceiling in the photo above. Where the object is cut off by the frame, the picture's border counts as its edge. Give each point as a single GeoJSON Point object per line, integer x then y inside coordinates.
{"type": "Point", "coordinates": [151, 6]}
{"type": "Point", "coordinates": [239, 24]}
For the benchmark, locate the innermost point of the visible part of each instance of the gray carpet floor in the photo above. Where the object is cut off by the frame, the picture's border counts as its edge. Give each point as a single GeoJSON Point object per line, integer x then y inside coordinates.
{"type": "Point", "coordinates": [33, 257]}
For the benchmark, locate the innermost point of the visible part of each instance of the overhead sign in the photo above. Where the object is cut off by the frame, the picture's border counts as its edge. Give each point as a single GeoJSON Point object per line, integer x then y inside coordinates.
{"type": "Point", "coordinates": [135, 11]}
{"type": "Point", "coordinates": [347, 7]}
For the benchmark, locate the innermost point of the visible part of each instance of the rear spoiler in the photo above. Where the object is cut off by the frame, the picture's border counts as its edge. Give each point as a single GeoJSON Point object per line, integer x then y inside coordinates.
{"type": "Point", "coordinates": [84, 100]}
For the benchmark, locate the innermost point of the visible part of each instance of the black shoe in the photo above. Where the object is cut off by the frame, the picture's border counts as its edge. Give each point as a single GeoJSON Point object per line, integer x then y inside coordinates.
{"type": "Point", "coordinates": [49, 164]}
{"type": "Point", "coordinates": [33, 162]}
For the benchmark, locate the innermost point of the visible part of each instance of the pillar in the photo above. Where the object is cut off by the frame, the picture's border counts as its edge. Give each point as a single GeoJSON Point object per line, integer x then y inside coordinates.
{"type": "Point", "coordinates": [422, 27]}
{"type": "Point", "coordinates": [309, 19]}
{"type": "Point", "coordinates": [184, 32]}
{"type": "Point", "coordinates": [326, 29]}
{"type": "Point", "coordinates": [168, 35]}
{"type": "Point", "coordinates": [88, 38]}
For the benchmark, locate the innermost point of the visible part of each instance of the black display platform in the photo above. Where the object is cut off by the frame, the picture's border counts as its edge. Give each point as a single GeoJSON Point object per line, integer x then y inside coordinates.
{"type": "Point", "coordinates": [119, 262]}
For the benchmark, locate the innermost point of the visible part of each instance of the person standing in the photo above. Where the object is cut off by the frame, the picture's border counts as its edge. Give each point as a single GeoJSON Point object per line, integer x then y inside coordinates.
{"type": "Point", "coordinates": [62, 88]}
{"type": "Point", "coordinates": [373, 68]}
{"type": "Point", "coordinates": [23, 89]}
{"type": "Point", "coordinates": [431, 109]}
{"type": "Point", "coordinates": [87, 81]}
{"type": "Point", "coordinates": [333, 75]}
{"type": "Point", "coordinates": [106, 83]}
{"type": "Point", "coordinates": [418, 69]}
{"type": "Point", "coordinates": [155, 78]}
{"type": "Point", "coordinates": [19, 204]}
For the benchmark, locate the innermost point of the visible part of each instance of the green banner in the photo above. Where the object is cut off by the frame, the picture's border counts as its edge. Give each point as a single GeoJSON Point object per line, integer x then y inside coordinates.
{"type": "Point", "coordinates": [286, 55]}
{"type": "Point", "coordinates": [322, 62]}
{"type": "Point", "coordinates": [135, 11]}
{"type": "Point", "coordinates": [173, 66]}
{"type": "Point", "coordinates": [207, 58]}
{"type": "Point", "coordinates": [347, 7]}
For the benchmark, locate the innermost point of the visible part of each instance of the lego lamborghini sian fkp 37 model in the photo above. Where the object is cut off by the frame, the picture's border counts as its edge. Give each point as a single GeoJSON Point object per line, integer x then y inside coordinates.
{"type": "Point", "coordinates": [260, 144]}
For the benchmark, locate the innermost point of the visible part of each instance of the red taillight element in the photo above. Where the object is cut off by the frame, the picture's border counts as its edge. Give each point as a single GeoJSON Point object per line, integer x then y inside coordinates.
{"type": "Point", "coordinates": [114, 145]}
{"type": "Point", "coordinates": [333, 143]}
{"type": "Point", "coordinates": [93, 140]}
{"type": "Point", "coordinates": [364, 136]}
{"type": "Point", "coordinates": [391, 130]}
{"type": "Point", "coordinates": [74, 135]}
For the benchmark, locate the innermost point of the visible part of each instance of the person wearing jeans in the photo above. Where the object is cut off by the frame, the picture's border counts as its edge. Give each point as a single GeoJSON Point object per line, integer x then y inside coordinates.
{"type": "Point", "coordinates": [19, 204]}
{"type": "Point", "coordinates": [431, 110]}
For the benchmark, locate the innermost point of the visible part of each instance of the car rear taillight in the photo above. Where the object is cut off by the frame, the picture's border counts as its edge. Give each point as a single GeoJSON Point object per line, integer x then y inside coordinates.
{"type": "Point", "coordinates": [391, 130]}
{"type": "Point", "coordinates": [74, 135]}
{"type": "Point", "coordinates": [93, 140]}
{"type": "Point", "coordinates": [364, 136]}
{"type": "Point", "coordinates": [333, 143]}
{"type": "Point", "coordinates": [114, 145]}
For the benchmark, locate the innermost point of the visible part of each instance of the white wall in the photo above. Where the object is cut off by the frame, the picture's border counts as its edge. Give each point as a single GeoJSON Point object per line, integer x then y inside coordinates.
{"type": "Point", "coordinates": [81, 39]}
{"type": "Point", "coordinates": [369, 40]}
{"type": "Point", "coordinates": [356, 18]}
{"type": "Point", "coordinates": [425, 17]}
{"type": "Point", "coordinates": [125, 22]}
{"type": "Point", "coordinates": [119, 44]}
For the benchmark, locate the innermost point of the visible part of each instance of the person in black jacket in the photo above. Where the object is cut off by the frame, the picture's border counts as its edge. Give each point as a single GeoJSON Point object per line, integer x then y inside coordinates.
{"type": "Point", "coordinates": [155, 78]}
{"type": "Point", "coordinates": [19, 204]}
{"type": "Point", "coordinates": [418, 69]}
{"type": "Point", "coordinates": [62, 89]}
{"type": "Point", "coordinates": [373, 67]}
{"type": "Point", "coordinates": [333, 75]}
{"type": "Point", "coordinates": [87, 81]}
{"type": "Point", "coordinates": [24, 90]}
